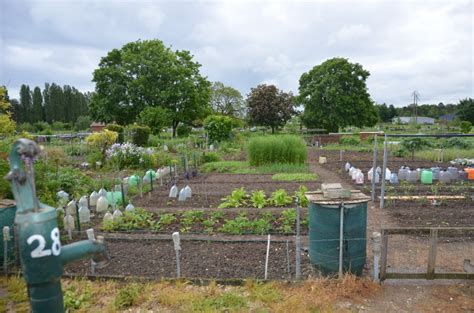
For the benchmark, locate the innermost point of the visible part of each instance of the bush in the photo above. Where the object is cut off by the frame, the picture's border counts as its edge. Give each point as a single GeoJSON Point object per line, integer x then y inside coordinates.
{"type": "Point", "coordinates": [349, 140]}
{"type": "Point", "coordinates": [456, 143]}
{"type": "Point", "coordinates": [465, 127]}
{"type": "Point", "coordinates": [41, 126]}
{"type": "Point", "coordinates": [101, 141]}
{"type": "Point", "coordinates": [118, 129]}
{"type": "Point", "coordinates": [140, 134]}
{"type": "Point", "coordinates": [129, 155]}
{"type": "Point", "coordinates": [210, 157]}
{"type": "Point", "coordinates": [27, 127]}
{"type": "Point", "coordinates": [83, 122]}
{"type": "Point", "coordinates": [414, 144]}
{"type": "Point", "coordinates": [183, 130]}
{"type": "Point", "coordinates": [58, 125]}
{"type": "Point", "coordinates": [276, 149]}
{"type": "Point", "coordinates": [218, 127]}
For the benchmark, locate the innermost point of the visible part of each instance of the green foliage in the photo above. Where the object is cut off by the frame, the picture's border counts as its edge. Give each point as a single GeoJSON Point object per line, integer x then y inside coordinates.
{"type": "Point", "coordinates": [300, 193]}
{"type": "Point", "coordinates": [101, 141]}
{"type": "Point", "coordinates": [7, 125]}
{"type": "Point", "coordinates": [465, 110]}
{"type": "Point", "coordinates": [227, 100]}
{"type": "Point", "coordinates": [26, 127]}
{"type": "Point", "coordinates": [349, 140]}
{"type": "Point", "coordinates": [210, 157]}
{"type": "Point", "coordinates": [5, 187]}
{"type": "Point", "coordinates": [294, 177]}
{"type": "Point", "coordinates": [83, 122]}
{"type": "Point", "coordinates": [268, 106]}
{"type": "Point", "coordinates": [133, 220]}
{"type": "Point", "coordinates": [235, 200]}
{"type": "Point", "coordinates": [127, 296]}
{"type": "Point", "coordinates": [58, 125]}
{"type": "Point", "coordinates": [218, 127]}
{"type": "Point", "coordinates": [334, 94]}
{"type": "Point", "coordinates": [156, 118]}
{"type": "Point", "coordinates": [280, 198]}
{"type": "Point", "coordinates": [167, 219]}
{"type": "Point", "coordinates": [41, 126]}
{"type": "Point", "coordinates": [183, 130]}
{"type": "Point", "coordinates": [413, 144]}
{"type": "Point", "coordinates": [287, 221]}
{"type": "Point", "coordinates": [224, 167]}
{"type": "Point", "coordinates": [237, 226]}
{"type": "Point", "coordinates": [188, 218]}
{"type": "Point", "coordinates": [139, 134]}
{"type": "Point", "coordinates": [76, 299]}
{"type": "Point", "coordinates": [276, 149]}
{"type": "Point", "coordinates": [119, 129]}
{"type": "Point", "coordinates": [465, 127]}
{"type": "Point", "coordinates": [456, 143]}
{"type": "Point", "coordinates": [282, 168]}
{"type": "Point", "coordinates": [144, 73]}
{"type": "Point", "coordinates": [258, 199]}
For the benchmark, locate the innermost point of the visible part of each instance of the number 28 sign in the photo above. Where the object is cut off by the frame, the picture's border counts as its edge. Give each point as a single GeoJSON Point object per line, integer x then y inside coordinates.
{"type": "Point", "coordinates": [40, 250]}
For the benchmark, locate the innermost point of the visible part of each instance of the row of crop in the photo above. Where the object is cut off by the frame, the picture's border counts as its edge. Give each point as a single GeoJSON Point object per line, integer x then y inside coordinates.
{"type": "Point", "coordinates": [206, 222]}
{"type": "Point", "coordinates": [258, 199]}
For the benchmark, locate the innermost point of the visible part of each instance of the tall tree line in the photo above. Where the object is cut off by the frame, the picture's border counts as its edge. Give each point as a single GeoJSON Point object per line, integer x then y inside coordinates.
{"type": "Point", "coordinates": [53, 103]}
{"type": "Point", "coordinates": [386, 113]}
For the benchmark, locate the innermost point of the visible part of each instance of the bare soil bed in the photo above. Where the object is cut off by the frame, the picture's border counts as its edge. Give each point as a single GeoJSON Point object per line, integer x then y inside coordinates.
{"type": "Point", "coordinates": [199, 259]}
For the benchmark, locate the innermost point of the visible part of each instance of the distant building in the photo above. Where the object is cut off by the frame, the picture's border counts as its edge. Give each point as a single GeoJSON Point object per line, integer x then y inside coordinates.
{"type": "Point", "coordinates": [97, 127]}
{"type": "Point", "coordinates": [411, 119]}
{"type": "Point", "coordinates": [447, 118]}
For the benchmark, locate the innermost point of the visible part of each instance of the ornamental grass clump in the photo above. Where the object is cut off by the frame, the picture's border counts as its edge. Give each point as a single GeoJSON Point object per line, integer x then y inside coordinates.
{"type": "Point", "coordinates": [276, 149]}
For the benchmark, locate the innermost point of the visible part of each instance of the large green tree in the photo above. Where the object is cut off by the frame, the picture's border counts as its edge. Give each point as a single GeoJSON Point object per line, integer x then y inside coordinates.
{"type": "Point", "coordinates": [334, 94]}
{"type": "Point", "coordinates": [226, 100]}
{"type": "Point", "coordinates": [38, 113]}
{"type": "Point", "coordinates": [465, 110]}
{"type": "Point", "coordinates": [26, 104]}
{"type": "Point", "coordinates": [268, 106]}
{"type": "Point", "coordinates": [146, 73]}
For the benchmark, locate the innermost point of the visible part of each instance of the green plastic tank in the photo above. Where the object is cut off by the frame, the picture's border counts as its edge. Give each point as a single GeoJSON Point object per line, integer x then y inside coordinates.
{"type": "Point", "coordinates": [324, 230]}
{"type": "Point", "coordinates": [7, 218]}
{"type": "Point", "coordinates": [427, 177]}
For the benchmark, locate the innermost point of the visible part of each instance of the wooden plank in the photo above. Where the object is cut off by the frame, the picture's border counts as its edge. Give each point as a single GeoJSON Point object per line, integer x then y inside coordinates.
{"type": "Point", "coordinates": [430, 197]}
{"type": "Point", "coordinates": [432, 253]}
{"type": "Point", "coordinates": [452, 275]}
{"type": "Point", "coordinates": [383, 265]}
{"type": "Point", "coordinates": [425, 230]}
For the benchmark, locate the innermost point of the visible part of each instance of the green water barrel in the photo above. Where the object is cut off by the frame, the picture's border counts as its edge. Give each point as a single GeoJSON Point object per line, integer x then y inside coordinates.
{"type": "Point", "coordinates": [426, 177]}
{"type": "Point", "coordinates": [324, 231]}
{"type": "Point", "coordinates": [7, 218]}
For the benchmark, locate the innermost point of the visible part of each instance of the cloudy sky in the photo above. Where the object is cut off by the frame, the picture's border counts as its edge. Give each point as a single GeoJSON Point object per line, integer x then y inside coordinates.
{"type": "Point", "coordinates": [406, 45]}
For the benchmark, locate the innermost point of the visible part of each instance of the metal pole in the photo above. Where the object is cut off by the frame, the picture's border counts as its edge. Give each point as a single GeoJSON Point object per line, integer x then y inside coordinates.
{"type": "Point", "coordinates": [298, 241]}
{"type": "Point", "coordinates": [374, 165]}
{"type": "Point", "coordinates": [267, 257]}
{"type": "Point", "coordinates": [382, 176]}
{"type": "Point", "coordinates": [341, 239]}
{"type": "Point", "coordinates": [377, 250]}
{"type": "Point", "coordinates": [123, 196]}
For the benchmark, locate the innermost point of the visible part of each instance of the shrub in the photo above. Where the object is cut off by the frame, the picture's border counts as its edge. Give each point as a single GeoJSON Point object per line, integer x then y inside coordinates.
{"type": "Point", "coordinates": [183, 130]}
{"type": "Point", "coordinates": [218, 127]}
{"type": "Point", "coordinates": [210, 157]}
{"type": "Point", "coordinates": [101, 141]}
{"type": "Point", "coordinates": [414, 144]}
{"type": "Point", "coordinates": [58, 125]}
{"type": "Point", "coordinates": [456, 143]}
{"type": "Point", "coordinates": [465, 127]}
{"type": "Point", "coordinates": [349, 140]}
{"type": "Point", "coordinates": [276, 149]}
{"type": "Point", "coordinates": [118, 129]}
{"type": "Point", "coordinates": [27, 127]}
{"type": "Point", "coordinates": [129, 155]}
{"type": "Point", "coordinates": [140, 134]}
{"type": "Point", "coordinates": [127, 296]}
{"type": "Point", "coordinates": [280, 198]}
{"type": "Point", "coordinates": [83, 122]}
{"type": "Point", "coordinates": [41, 126]}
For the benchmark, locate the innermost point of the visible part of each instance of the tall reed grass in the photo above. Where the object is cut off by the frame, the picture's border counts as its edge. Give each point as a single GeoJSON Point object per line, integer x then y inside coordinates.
{"type": "Point", "coordinates": [276, 149]}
